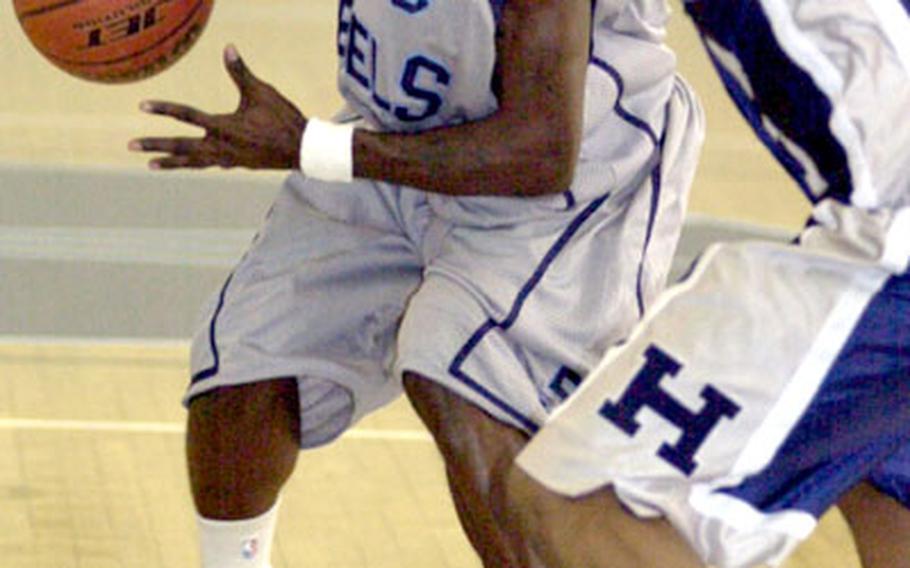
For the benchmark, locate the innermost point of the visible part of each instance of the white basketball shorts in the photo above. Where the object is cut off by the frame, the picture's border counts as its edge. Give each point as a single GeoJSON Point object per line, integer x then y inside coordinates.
{"type": "Point", "coordinates": [754, 393]}
{"type": "Point", "coordinates": [505, 301]}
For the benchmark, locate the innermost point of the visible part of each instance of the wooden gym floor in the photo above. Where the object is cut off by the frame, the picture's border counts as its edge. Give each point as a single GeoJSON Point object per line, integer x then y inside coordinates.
{"type": "Point", "coordinates": [98, 284]}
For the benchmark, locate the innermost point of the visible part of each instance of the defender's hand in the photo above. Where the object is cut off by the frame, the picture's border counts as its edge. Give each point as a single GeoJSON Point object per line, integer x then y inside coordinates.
{"type": "Point", "coordinates": [263, 133]}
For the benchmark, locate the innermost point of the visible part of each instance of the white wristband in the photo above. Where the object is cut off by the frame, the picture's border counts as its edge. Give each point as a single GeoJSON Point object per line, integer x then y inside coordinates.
{"type": "Point", "coordinates": [326, 151]}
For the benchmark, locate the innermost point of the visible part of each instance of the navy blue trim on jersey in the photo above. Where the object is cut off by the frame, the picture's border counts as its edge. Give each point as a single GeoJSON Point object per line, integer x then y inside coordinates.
{"type": "Point", "coordinates": [656, 181]}
{"type": "Point", "coordinates": [216, 356]}
{"type": "Point", "coordinates": [783, 92]}
{"type": "Point", "coordinates": [618, 108]}
{"type": "Point", "coordinates": [906, 4]}
{"type": "Point", "coordinates": [636, 122]}
{"type": "Point", "coordinates": [656, 186]}
{"type": "Point", "coordinates": [455, 368]}
{"type": "Point", "coordinates": [652, 217]}
{"type": "Point", "coordinates": [857, 422]}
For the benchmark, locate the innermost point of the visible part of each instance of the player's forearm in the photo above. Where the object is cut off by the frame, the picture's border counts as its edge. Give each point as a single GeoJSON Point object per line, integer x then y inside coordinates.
{"type": "Point", "coordinates": [496, 156]}
{"type": "Point", "coordinates": [530, 145]}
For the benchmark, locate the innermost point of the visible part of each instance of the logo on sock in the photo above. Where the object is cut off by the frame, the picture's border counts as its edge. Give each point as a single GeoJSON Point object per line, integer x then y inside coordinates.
{"type": "Point", "coordinates": [250, 548]}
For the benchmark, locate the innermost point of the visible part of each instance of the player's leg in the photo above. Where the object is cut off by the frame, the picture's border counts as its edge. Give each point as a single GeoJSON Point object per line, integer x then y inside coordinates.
{"type": "Point", "coordinates": [477, 450]}
{"type": "Point", "coordinates": [241, 445]}
{"type": "Point", "coordinates": [304, 303]}
{"type": "Point", "coordinates": [510, 519]}
{"type": "Point", "coordinates": [516, 304]}
{"type": "Point", "coordinates": [880, 527]}
{"type": "Point", "coordinates": [593, 531]}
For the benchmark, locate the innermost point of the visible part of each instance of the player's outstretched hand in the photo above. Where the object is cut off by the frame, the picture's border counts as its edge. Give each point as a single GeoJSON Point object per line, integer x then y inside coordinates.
{"type": "Point", "coordinates": [263, 133]}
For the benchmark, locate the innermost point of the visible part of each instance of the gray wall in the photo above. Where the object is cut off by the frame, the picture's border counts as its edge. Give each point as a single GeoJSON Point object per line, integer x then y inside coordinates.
{"type": "Point", "coordinates": [132, 254]}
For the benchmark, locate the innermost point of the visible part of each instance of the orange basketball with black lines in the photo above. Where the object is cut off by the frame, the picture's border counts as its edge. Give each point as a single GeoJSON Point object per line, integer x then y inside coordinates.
{"type": "Point", "coordinates": [113, 41]}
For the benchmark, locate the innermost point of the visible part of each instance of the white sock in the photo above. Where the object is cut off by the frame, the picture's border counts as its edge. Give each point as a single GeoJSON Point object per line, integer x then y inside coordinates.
{"type": "Point", "coordinates": [244, 543]}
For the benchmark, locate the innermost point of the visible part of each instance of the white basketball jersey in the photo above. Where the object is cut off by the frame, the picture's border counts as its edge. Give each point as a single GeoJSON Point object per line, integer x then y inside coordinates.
{"type": "Point", "coordinates": [411, 65]}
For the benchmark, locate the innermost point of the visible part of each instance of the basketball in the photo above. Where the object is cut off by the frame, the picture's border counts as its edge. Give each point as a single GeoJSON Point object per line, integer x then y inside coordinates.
{"type": "Point", "coordinates": [113, 41]}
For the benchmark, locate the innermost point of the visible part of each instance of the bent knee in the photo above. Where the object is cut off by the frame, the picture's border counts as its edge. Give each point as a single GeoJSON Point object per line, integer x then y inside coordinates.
{"type": "Point", "coordinates": [311, 410]}
{"type": "Point", "coordinates": [246, 408]}
{"type": "Point", "coordinates": [249, 398]}
{"type": "Point", "coordinates": [465, 434]}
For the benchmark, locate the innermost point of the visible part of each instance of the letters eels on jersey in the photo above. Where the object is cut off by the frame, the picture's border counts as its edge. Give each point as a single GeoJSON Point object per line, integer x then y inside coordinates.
{"type": "Point", "coordinates": [397, 81]}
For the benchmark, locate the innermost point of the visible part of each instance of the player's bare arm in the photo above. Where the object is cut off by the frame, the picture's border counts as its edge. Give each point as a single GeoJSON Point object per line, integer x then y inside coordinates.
{"type": "Point", "coordinates": [542, 50]}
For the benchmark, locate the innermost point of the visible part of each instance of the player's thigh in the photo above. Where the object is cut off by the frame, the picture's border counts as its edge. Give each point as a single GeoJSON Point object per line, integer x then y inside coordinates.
{"type": "Point", "coordinates": [477, 450]}
{"type": "Point", "coordinates": [472, 442]}
{"type": "Point", "coordinates": [241, 445]}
